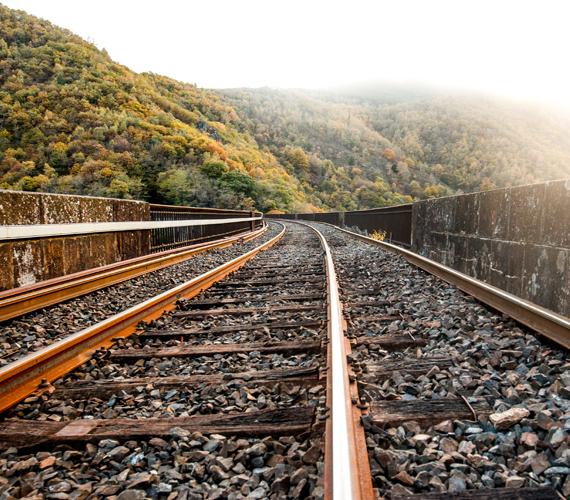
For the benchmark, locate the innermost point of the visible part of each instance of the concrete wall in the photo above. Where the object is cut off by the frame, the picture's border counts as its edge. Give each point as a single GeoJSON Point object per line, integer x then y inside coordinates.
{"type": "Point", "coordinates": [28, 261]}
{"type": "Point", "coordinates": [517, 239]}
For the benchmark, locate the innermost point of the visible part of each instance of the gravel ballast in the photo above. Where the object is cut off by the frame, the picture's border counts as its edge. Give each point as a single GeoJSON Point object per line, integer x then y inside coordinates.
{"type": "Point", "coordinates": [192, 465]}
{"type": "Point", "coordinates": [524, 442]}
{"type": "Point", "coordinates": [33, 331]}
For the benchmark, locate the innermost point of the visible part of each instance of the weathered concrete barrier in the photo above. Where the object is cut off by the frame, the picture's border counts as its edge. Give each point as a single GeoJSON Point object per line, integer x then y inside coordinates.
{"type": "Point", "coordinates": [27, 261]}
{"type": "Point", "coordinates": [517, 239]}
{"type": "Point", "coordinates": [44, 235]}
{"type": "Point", "coordinates": [394, 221]}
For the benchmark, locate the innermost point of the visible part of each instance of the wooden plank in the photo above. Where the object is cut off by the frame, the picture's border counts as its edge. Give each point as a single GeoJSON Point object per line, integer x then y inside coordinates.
{"type": "Point", "coordinates": [425, 411]}
{"type": "Point", "coordinates": [539, 493]}
{"type": "Point", "coordinates": [367, 318]}
{"type": "Point", "coordinates": [232, 329]}
{"type": "Point", "coordinates": [375, 303]}
{"type": "Point", "coordinates": [390, 342]}
{"type": "Point", "coordinates": [241, 311]}
{"type": "Point", "coordinates": [279, 281]}
{"type": "Point", "coordinates": [412, 366]}
{"type": "Point", "coordinates": [186, 351]}
{"type": "Point", "coordinates": [283, 421]}
{"type": "Point", "coordinates": [272, 265]}
{"type": "Point", "coordinates": [242, 299]}
{"type": "Point", "coordinates": [345, 290]}
{"type": "Point", "coordinates": [98, 388]}
{"type": "Point", "coordinates": [260, 289]}
{"type": "Point", "coordinates": [244, 274]}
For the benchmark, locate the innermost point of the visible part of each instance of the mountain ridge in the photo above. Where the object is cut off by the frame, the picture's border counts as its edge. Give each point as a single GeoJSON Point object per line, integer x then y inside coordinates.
{"type": "Point", "coordinates": [75, 121]}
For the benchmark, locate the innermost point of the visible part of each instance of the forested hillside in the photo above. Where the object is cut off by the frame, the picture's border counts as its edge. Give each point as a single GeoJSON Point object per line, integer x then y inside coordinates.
{"type": "Point", "coordinates": [74, 121]}
{"type": "Point", "coordinates": [419, 144]}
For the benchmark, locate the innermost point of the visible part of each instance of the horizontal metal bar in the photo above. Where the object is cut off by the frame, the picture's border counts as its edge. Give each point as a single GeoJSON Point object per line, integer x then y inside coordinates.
{"type": "Point", "coordinates": [156, 207]}
{"type": "Point", "coordinates": [51, 230]}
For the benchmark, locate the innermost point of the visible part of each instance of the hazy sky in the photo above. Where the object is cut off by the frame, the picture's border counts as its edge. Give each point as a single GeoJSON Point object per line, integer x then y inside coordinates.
{"type": "Point", "coordinates": [516, 48]}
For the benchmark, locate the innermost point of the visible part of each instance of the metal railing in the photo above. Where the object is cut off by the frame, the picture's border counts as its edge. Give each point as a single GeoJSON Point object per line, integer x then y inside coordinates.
{"type": "Point", "coordinates": [174, 237]}
{"type": "Point", "coordinates": [395, 222]}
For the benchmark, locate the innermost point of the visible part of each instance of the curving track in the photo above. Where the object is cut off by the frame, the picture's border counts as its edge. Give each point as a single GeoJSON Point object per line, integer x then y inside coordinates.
{"type": "Point", "coordinates": [459, 399]}
{"type": "Point", "coordinates": [227, 392]}
{"type": "Point", "coordinates": [277, 376]}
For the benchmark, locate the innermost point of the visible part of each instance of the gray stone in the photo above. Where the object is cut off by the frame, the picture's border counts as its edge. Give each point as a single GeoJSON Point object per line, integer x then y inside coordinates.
{"type": "Point", "coordinates": [218, 473]}
{"type": "Point", "coordinates": [448, 445]}
{"type": "Point", "coordinates": [257, 450]}
{"type": "Point", "coordinates": [158, 443]}
{"type": "Point", "coordinates": [529, 439]}
{"type": "Point", "coordinates": [556, 438]}
{"type": "Point", "coordinates": [539, 464]}
{"type": "Point", "coordinates": [515, 482]}
{"type": "Point", "coordinates": [557, 470]}
{"type": "Point", "coordinates": [61, 487]}
{"type": "Point", "coordinates": [258, 493]}
{"type": "Point", "coordinates": [119, 453]}
{"type": "Point", "coordinates": [456, 484]}
{"type": "Point", "coordinates": [211, 445]}
{"type": "Point", "coordinates": [466, 447]}
{"type": "Point", "coordinates": [300, 474]}
{"type": "Point", "coordinates": [312, 455]}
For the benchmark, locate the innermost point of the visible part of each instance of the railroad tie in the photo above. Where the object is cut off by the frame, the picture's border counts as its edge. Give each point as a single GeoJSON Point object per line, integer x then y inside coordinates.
{"type": "Point", "coordinates": [174, 333]}
{"type": "Point", "coordinates": [101, 388]}
{"type": "Point", "coordinates": [282, 421]}
{"type": "Point", "coordinates": [538, 493]}
{"type": "Point", "coordinates": [425, 412]}
{"type": "Point", "coordinates": [212, 349]}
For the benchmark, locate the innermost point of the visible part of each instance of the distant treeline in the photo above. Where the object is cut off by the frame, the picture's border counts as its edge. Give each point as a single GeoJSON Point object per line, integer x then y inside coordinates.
{"type": "Point", "coordinates": [74, 121]}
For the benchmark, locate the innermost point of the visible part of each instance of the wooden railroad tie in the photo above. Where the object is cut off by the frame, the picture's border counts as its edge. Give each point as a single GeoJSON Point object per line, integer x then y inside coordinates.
{"type": "Point", "coordinates": [538, 493]}
{"type": "Point", "coordinates": [425, 412]}
{"type": "Point", "coordinates": [254, 275]}
{"type": "Point", "coordinates": [277, 281]}
{"type": "Point", "coordinates": [318, 287]}
{"type": "Point", "coordinates": [239, 311]}
{"type": "Point", "coordinates": [80, 389]}
{"type": "Point", "coordinates": [268, 298]}
{"type": "Point", "coordinates": [231, 329]}
{"type": "Point", "coordinates": [212, 349]}
{"type": "Point", "coordinates": [283, 421]}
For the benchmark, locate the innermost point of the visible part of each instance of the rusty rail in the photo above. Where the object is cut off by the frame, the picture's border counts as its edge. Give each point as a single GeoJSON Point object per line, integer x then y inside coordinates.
{"type": "Point", "coordinates": [19, 379]}
{"type": "Point", "coordinates": [19, 301]}
{"type": "Point", "coordinates": [347, 469]}
{"type": "Point", "coordinates": [549, 324]}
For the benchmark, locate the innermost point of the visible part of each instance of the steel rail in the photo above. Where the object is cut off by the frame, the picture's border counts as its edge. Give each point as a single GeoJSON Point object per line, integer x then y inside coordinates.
{"type": "Point", "coordinates": [28, 231]}
{"type": "Point", "coordinates": [547, 323]}
{"type": "Point", "coordinates": [24, 376]}
{"type": "Point", "coordinates": [347, 469]}
{"type": "Point", "coordinates": [19, 301]}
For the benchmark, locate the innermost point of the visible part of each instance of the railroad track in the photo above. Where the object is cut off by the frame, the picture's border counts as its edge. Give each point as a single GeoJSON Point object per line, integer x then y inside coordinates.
{"type": "Point", "coordinates": [459, 400]}
{"type": "Point", "coordinates": [237, 377]}
{"type": "Point", "coordinates": [19, 301]}
{"type": "Point", "coordinates": [269, 384]}
{"type": "Point", "coordinates": [116, 286]}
